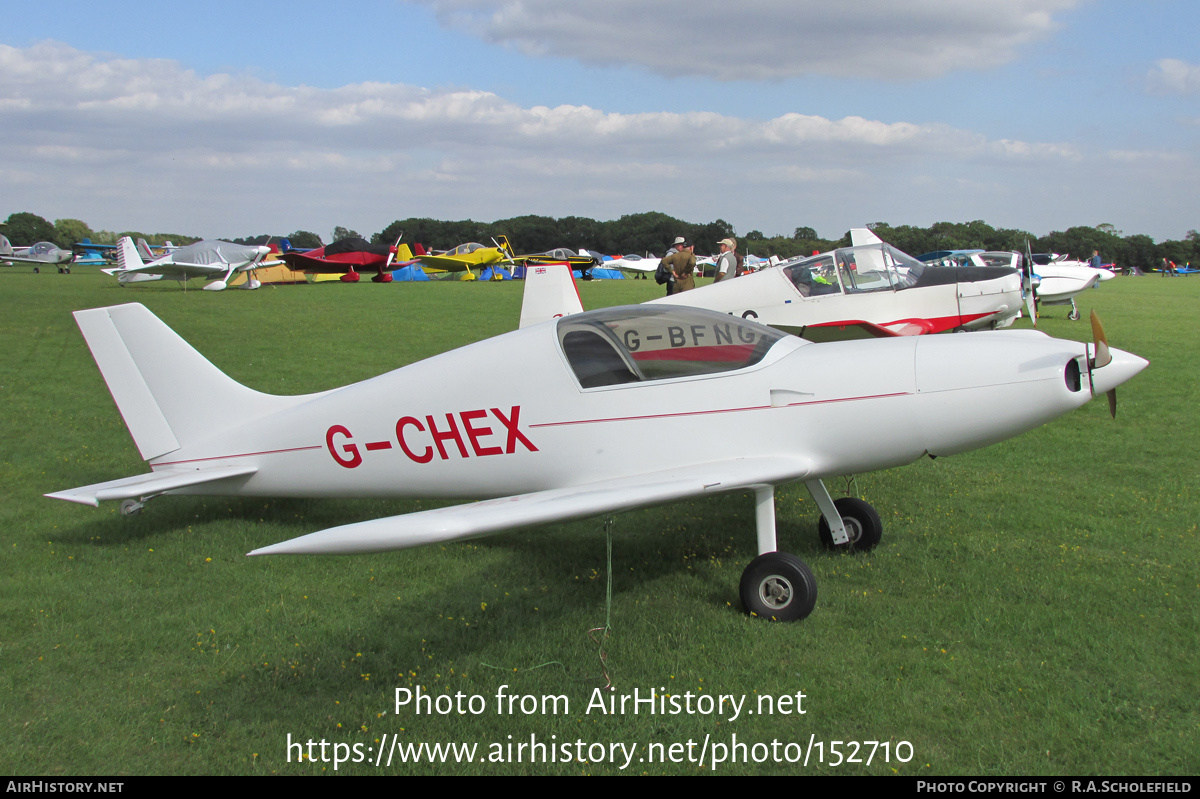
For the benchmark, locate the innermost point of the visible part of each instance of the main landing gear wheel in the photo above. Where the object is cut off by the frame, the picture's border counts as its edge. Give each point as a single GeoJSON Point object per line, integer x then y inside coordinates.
{"type": "Point", "coordinates": [862, 525]}
{"type": "Point", "coordinates": [1073, 315]}
{"type": "Point", "coordinates": [130, 507]}
{"type": "Point", "coordinates": [778, 586]}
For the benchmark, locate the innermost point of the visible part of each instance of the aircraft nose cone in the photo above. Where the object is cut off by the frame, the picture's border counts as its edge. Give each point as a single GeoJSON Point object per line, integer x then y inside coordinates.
{"type": "Point", "coordinates": [263, 249]}
{"type": "Point", "coordinates": [1123, 366]}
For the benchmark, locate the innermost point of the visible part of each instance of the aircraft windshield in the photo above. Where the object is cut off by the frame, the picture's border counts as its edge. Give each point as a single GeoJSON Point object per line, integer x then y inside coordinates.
{"type": "Point", "coordinates": [855, 270]}
{"type": "Point", "coordinates": [635, 343]}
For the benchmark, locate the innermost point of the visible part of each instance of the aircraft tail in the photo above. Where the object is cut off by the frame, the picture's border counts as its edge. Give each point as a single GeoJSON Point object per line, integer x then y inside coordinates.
{"type": "Point", "coordinates": [143, 249]}
{"type": "Point", "coordinates": [127, 254]}
{"type": "Point", "coordinates": [860, 236]}
{"type": "Point", "coordinates": [165, 390]}
{"type": "Point", "coordinates": [5, 246]}
{"type": "Point", "coordinates": [549, 293]}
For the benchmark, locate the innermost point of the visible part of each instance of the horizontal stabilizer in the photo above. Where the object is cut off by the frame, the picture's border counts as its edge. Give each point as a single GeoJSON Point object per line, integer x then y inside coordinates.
{"type": "Point", "coordinates": [478, 519]}
{"type": "Point", "coordinates": [142, 485]}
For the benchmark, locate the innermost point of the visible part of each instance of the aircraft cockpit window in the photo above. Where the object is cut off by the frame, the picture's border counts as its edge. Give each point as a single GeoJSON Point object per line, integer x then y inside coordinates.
{"type": "Point", "coordinates": [905, 270]}
{"type": "Point", "coordinates": [863, 269]}
{"type": "Point", "coordinates": [813, 277]}
{"type": "Point", "coordinates": [640, 343]}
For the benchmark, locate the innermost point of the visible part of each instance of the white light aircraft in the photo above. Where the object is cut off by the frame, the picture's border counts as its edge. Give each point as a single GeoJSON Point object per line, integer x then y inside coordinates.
{"type": "Point", "coordinates": [1062, 279]}
{"type": "Point", "coordinates": [44, 253]}
{"type": "Point", "coordinates": [215, 260]}
{"type": "Point", "coordinates": [590, 414]}
{"type": "Point", "coordinates": [868, 290]}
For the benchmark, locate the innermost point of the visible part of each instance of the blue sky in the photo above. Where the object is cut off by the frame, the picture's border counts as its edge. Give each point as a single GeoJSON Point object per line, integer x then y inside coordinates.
{"type": "Point", "coordinates": [244, 118]}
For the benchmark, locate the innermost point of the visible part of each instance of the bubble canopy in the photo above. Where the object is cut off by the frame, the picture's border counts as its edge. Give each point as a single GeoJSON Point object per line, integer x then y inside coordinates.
{"type": "Point", "coordinates": [637, 343]}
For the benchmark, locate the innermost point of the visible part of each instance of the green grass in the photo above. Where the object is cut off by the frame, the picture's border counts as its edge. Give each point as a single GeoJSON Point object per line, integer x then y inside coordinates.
{"type": "Point", "coordinates": [1033, 608]}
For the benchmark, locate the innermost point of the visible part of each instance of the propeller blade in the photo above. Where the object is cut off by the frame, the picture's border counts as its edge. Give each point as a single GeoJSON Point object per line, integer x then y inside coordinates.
{"type": "Point", "coordinates": [1102, 357]}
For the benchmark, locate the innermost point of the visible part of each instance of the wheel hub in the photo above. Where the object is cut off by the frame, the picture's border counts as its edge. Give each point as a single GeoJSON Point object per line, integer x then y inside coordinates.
{"type": "Point", "coordinates": [776, 592]}
{"type": "Point", "coordinates": [854, 528]}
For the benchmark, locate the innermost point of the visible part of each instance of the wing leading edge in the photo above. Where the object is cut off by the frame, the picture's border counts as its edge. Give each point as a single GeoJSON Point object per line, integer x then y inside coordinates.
{"type": "Point", "coordinates": [478, 519]}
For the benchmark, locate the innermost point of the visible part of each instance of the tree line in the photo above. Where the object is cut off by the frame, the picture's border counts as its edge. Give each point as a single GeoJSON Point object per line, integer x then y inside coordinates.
{"type": "Point", "coordinates": [652, 233]}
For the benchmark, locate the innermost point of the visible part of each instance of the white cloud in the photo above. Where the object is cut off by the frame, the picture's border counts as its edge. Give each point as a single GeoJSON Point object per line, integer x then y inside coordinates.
{"type": "Point", "coordinates": [1173, 76]}
{"type": "Point", "coordinates": [146, 144]}
{"type": "Point", "coordinates": [764, 39]}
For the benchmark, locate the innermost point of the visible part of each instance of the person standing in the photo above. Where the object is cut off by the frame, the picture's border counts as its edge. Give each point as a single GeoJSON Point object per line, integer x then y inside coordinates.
{"type": "Point", "coordinates": [1094, 261]}
{"type": "Point", "coordinates": [727, 261]}
{"type": "Point", "coordinates": [682, 264]}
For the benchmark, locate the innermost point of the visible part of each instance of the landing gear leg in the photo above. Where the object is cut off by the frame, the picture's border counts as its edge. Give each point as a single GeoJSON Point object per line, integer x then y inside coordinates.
{"type": "Point", "coordinates": [1074, 314]}
{"type": "Point", "coordinates": [776, 585]}
{"type": "Point", "coordinates": [860, 523]}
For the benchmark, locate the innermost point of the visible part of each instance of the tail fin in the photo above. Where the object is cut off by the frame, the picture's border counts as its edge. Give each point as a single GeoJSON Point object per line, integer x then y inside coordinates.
{"type": "Point", "coordinates": [144, 250]}
{"type": "Point", "coordinates": [860, 236]}
{"type": "Point", "coordinates": [127, 254]}
{"type": "Point", "coordinates": [419, 250]}
{"type": "Point", "coordinates": [550, 292]}
{"type": "Point", "coordinates": [404, 253]}
{"type": "Point", "coordinates": [5, 246]}
{"type": "Point", "coordinates": [166, 391]}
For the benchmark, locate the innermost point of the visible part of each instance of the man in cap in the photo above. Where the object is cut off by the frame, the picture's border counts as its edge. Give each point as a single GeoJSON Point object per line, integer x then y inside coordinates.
{"type": "Point", "coordinates": [727, 261]}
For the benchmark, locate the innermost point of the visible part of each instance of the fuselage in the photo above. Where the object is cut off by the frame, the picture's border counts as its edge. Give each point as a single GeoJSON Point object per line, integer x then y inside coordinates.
{"type": "Point", "coordinates": [642, 389]}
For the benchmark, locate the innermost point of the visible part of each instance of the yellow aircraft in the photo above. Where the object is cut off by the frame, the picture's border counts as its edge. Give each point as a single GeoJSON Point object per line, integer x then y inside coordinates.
{"type": "Point", "coordinates": [466, 256]}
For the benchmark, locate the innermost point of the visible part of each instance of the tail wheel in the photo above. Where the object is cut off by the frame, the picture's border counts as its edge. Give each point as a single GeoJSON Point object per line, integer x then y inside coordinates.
{"type": "Point", "coordinates": [778, 586]}
{"type": "Point", "coordinates": [862, 525]}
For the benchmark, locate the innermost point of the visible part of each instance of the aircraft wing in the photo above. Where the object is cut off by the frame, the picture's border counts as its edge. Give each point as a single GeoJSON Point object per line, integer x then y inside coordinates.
{"type": "Point", "coordinates": [850, 329]}
{"type": "Point", "coordinates": [153, 483]}
{"type": "Point", "coordinates": [478, 519]}
{"type": "Point", "coordinates": [173, 269]}
{"type": "Point", "coordinates": [444, 263]}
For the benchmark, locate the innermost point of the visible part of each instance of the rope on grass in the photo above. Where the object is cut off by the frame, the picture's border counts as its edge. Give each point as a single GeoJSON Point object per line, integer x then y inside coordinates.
{"type": "Point", "coordinates": [607, 628]}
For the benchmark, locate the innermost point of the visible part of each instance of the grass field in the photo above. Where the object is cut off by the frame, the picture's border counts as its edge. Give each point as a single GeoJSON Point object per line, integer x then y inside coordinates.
{"type": "Point", "coordinates": [1034, 607]}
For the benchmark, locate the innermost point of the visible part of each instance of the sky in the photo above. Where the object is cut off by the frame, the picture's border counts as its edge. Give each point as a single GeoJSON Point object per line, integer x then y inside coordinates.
{"type": "Point", "coordinates": [237, 119]}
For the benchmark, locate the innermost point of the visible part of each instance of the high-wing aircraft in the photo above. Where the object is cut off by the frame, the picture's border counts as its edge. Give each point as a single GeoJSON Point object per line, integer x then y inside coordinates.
{"type": "Point", "coordinates": [586, 415]}
{"type": "Point", "coordinates": [634, 265]}
{"type": "Point", "coordinates": [43, 253]}
{"type": "Point", "coordinates": [88, 253]}
{"type": "Point", "coordinates": [214, 260]}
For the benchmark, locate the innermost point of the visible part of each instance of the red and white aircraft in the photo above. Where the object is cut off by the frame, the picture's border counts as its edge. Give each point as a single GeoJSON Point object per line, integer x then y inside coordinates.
{"type": "Point", "coordinates": [589, 414]}
{"type": "Point", "coordinates": [868, 290]}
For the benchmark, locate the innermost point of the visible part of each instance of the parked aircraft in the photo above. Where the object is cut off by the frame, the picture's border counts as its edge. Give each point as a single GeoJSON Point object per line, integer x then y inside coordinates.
{"type": "Point", "coordinates": [43, 253]}
{"type": "Point", "coordinates": [872, 289]}
{"type": "Point", "coordinates": [590, 414]}
{"type": "Point", "coordinates": [465, 257]}
{"type": "Point", "coordinates": [214, 260]}
{"type": "Point", "coordinates": [88, 253]}
{"type": "Point", "coordinates": [345, 257]}
{"type": "Point", "coordinates": [635, 265]}
{"type": "Point", "coordinates": [1063, 279]}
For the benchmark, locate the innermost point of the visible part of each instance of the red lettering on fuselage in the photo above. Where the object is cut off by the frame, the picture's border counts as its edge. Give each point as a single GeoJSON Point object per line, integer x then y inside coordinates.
{"type": "Point", "coordinates": [418, 440]}
{"type": "Point", "coordinates": [355, 457]}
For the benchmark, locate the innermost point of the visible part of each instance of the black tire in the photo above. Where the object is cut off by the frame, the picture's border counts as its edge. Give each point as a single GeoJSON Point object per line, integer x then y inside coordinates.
{"type": "Point", "coordinates": [862, 524]}
{"type": "Point", "coordinates": [778, 586]}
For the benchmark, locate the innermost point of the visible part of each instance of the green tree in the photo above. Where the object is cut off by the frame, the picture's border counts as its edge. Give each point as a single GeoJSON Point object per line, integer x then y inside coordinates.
{"type": "Point", "coordinates": [340, 233]}
{"type": "Point", "coordinates": [70, 231]}
{"type": "Point", "coordinates": [24, 229]}
{"type": "Point", "coordinates": [306, 240]}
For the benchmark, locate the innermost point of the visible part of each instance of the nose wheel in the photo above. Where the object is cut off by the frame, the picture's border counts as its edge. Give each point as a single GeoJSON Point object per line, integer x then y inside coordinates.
{"type": "Point", "coordinates": [862, 523]}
